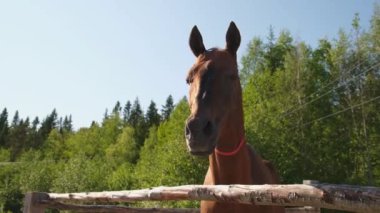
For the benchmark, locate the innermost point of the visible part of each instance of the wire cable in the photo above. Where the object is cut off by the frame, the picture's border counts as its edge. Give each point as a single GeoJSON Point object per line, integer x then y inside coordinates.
{"type": "Point", "coordinates": [342, 58]}
{"type": "Point", "coordinates": [285, 114]}
{"type": "Point", "coordinates": [338, 112]}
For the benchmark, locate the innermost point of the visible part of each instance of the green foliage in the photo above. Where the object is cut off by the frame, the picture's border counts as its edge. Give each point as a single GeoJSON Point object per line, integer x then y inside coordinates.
{"type": "Point", "coordinates": [11, 199]}
{"type": "Point", "coordinates": [10, 193]}
{"type": "Point", "coordinates": [37, 175]}
{"type": "Point", "coordinates": [5, 155]}
{"type": "Point", "coordinates": [55, 146]}
{"type": "Point", "coordinates": [121, 178]}
{"type": "Point", "coordinates": [375, 30]}
{"type": "Point", "coordinates": [125, 149]}
{"type": "Point", "coordinates": [147, 163]}
{"type": "Point", "coordinates": [87, 142]}
{"type": "Point", "coordinates": [252, 61]}
{"type": "Point", "coordinates": [82, 174]}
{"type": "Point", "coordinates": [310, 110]}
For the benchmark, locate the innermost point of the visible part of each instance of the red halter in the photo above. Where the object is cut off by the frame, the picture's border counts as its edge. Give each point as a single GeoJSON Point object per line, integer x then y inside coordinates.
{"type": "Point", "coordinates": [242, 142]}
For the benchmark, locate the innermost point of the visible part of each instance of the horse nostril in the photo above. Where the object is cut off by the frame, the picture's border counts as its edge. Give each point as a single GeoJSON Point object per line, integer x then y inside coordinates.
{"type": "Point", "coordinates": [198, 128]}
{"type": "Point", "coordinates": [207, 130]}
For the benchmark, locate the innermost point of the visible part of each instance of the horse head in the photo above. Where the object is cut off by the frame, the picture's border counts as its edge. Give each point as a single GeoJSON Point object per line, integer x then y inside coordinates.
{"type": "Point", "coordinates": [214, 91]}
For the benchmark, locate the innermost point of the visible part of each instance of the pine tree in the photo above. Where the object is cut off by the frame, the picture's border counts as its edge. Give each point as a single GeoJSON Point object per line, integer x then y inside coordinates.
{"type": "Point", "coordinates": [167, 108]}
{"type": "Point", "coordinates": [67, 124]}
{"type": "Point", "coordinates": [116, 109]}
{"type": "Point", "coordinates": [60, 125]}
{"type": "Point", "coordinates": [47, 125]}
{"type": "Point", "coordinates": [35, 123]}
{"type": "Point", "coordinates": [137, 116]}
{"type": "Point", "coordinates": [137, 121]}
{"type": "Point", "coordinates": [271, 37]}
{"type": "Point", "coordinates": [16, 119]}
{"type": "Point", "coordinates": [34, 136]}
{"type": "Point", "coordinates": [152, 117]}
{"type": "Point", "coordinates": [19, 135]}
{"type": "Point", "coordinates": [127, 112]}
{"type": "Point", "coordinates": [275, 54]}
{"type": "Point", "coordinates": [4, 127]}
{"type": "Point", "coordinates": [106, 116]}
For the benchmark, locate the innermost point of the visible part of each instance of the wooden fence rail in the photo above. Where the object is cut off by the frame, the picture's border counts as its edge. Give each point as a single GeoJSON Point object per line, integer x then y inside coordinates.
{"type": "Point", "coordinates": [340, 197]}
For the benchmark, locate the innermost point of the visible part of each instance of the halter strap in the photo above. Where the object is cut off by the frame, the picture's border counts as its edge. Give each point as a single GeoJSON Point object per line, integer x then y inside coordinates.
{"type": "Point", "coordinates": [242, 142]}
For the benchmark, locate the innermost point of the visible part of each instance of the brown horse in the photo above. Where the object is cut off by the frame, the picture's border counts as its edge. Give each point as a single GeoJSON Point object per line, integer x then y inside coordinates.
{"type": "Point", "coordinates": [215, 126]}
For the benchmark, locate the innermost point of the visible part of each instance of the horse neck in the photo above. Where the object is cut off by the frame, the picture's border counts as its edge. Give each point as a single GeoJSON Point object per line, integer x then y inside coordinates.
{"type": "Point", "coordinates": [232, 132]}
{"type": "Point", "coordinates": [235, 168]}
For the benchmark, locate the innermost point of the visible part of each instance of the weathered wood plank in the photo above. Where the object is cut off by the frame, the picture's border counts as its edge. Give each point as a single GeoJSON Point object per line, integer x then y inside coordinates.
{"type": "Point", "coordinates": [341, 197]}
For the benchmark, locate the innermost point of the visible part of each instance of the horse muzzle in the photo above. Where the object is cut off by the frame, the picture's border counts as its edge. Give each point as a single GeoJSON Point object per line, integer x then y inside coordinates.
{"type": "Point", "coordinates": [200, 136]}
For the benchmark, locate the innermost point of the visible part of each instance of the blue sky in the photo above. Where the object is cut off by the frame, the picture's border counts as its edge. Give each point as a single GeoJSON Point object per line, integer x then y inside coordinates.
{"type": "Point", "coordinates": [80, 57]}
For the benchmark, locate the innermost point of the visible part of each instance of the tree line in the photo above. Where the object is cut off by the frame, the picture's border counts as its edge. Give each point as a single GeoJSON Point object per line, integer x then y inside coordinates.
{"type": "Point", "coordinates": [313, 111]}
{"type": "Point", "coordinates": [21, 135]}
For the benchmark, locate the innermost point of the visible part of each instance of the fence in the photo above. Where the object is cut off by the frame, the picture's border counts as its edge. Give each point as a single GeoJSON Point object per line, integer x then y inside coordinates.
{"type": "Point", "coordinates": [318, 195]}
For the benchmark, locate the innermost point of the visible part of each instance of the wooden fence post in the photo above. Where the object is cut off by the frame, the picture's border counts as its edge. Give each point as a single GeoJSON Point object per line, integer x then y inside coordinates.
{"type": "Point", "coordinates": [32, 202]}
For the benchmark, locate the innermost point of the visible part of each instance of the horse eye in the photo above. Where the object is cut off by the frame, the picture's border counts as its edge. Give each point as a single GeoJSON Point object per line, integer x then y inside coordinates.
{"type": "Point", "coordinates": [189, 80]}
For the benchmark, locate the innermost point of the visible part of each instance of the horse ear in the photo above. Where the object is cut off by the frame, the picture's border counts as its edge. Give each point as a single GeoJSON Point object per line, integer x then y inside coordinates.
{"type": "Point", "coordinates": [232, 38]}
{"type": "Point", "coordinates": [196, 42]}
